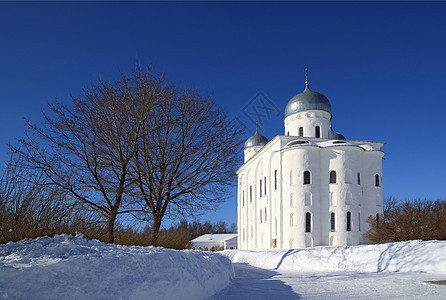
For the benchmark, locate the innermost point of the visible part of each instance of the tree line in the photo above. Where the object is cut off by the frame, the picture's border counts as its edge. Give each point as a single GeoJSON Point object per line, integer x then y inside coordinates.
{"type": "Point", "coordinates": [412, 219]}
{"type": "Point", "coordinates": [139, 146]}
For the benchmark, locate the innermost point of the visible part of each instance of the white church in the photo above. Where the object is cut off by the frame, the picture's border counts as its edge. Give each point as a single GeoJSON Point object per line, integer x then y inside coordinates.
{"type": "Point", "coordinates": [310, 186]}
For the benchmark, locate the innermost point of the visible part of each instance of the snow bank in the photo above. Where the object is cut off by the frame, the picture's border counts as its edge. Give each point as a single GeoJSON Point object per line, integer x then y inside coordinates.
{"type": "Point", "coordinates": [72, 267]}
{"type": "Point", "coordinates": [410, 256]}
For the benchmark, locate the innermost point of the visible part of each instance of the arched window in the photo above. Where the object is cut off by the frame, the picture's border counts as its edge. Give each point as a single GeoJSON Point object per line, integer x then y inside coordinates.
{"type": "Point", "coordinates": [275, 226]}
{"type": "Point", "coordinates": [359, 178]}
{"type": "Point", "coordinates": [332, 221]}
{"type": "Point", "coordinates": [377, 220]}
{"type": "Point", "coordinates": [291, 200]}
{"type": "Point", "coordinates": [376, 180]}
{"type": "Point", "coordinates": [308, 222]}
{"type": "Point", "coordinates": [349, 221]}
{"type": "Point", "coordinates": [333, 177]}
{"type": "Point", "coordinates": [250, 194]}
{"type": "Point", "coordinates": [307, 177]}
{"type": "Point", "coordinates": [359, 221]}
{"type": "Point", "coordinates": [318, 131]}
{"type": "Point", "coordinates": [292, 221]}
{"type": "Point", "coordinates": [243, 198]}
{"type": "Point", "coordinates": [266, 215]}
{"type": "Point", "coordinates": [275, 179]}
{"type": "Point", "coordinates": [291, 243]}
{"type": "Point", "coordinates": [301, 131]}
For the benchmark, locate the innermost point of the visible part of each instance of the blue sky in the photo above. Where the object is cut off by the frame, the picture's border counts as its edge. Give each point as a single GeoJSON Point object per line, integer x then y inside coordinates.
{"type": "Point", "coordinates": [382, 65]}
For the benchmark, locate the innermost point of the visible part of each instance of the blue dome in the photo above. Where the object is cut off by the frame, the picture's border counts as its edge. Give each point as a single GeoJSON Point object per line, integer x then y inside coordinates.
{"type": "Point", "coordinates": [256, 140]}
{"type": "Point", "coordinates": [307, 100]}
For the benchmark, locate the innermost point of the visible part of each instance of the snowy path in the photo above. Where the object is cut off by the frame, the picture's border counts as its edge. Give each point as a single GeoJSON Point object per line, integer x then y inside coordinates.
{"type": "Point", "coordinates": [255, 283]}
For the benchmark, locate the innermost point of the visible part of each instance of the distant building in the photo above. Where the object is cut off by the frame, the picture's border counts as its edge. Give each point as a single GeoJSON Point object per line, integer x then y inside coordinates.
{"type": "Point", "coordinates": [309, 187]}
{"type": "Point", "coordinates": [214, 242]}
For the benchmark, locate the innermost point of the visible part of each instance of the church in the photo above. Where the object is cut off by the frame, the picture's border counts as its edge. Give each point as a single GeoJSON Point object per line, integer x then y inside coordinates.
{"type": "Point", "coordinates": [309, 187]}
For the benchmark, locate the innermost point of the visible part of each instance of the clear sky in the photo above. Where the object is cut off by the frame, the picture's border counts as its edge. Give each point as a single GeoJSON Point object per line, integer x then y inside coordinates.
{"type": "Point", "coordinates": [382, 65]}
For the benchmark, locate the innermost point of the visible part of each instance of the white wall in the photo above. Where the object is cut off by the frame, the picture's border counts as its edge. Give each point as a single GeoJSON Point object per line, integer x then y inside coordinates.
{"type": "Point", "coordinates": [308, 120]}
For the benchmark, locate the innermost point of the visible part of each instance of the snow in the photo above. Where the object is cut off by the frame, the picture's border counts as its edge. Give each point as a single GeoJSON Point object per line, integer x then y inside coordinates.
{"type": "Point", "coordinates": [218, 238]}
{"type": "Point", "coordinates": [410, 256]}
{"type": "Point", "coordinates": [66, 267]}
{"type": "Point", "coordinates": [387, 271]}
{"type": "Point", "coordinates": [75, 268]}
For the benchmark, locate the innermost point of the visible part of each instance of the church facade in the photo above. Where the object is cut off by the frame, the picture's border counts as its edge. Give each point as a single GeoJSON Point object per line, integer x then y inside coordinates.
{"type": "Point", "coordinates": [310, 186]}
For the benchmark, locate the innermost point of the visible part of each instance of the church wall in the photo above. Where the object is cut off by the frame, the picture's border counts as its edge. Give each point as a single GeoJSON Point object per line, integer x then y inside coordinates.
{"type": "Point", "coordinates": [300, 198]}
{"type": "Point", "coordinates": [345, 195]}
{"type": "Point", "coordinates": [372, 194]}
{"type": "Point", "coordinates": [308, 120]}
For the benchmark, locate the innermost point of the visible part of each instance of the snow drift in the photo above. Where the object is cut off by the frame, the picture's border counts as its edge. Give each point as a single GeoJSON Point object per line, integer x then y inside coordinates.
{"type": "Point", "coordinates": [410, 256]}
{"type": "Point", "coordinates": [72, 267]}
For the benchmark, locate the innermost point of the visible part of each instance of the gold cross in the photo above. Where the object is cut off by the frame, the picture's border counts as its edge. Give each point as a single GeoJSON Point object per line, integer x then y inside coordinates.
{"type": "Point", "coordinates": [306, 76]}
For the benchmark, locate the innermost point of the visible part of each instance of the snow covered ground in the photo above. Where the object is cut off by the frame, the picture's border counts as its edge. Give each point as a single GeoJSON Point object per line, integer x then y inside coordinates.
{"type": "Point", "coordinates": [386, 271]}
{"type": "Point", "coordinates": [410, 256]}
{"type": "Point", "coordinates": [66, 267]}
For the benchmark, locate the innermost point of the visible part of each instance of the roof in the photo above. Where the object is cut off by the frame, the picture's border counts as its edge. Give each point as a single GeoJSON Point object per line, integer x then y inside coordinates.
{"type": "Point", "coordinates": [215, 238]}
{"type": "Point", "coordinates": [256, 140]}
{"type": "Point", "coordinates": [307, 100]}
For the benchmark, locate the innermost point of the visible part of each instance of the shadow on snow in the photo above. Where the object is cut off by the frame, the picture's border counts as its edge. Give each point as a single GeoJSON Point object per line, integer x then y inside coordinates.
{"type": "Point", "coordinates": [255, 283]}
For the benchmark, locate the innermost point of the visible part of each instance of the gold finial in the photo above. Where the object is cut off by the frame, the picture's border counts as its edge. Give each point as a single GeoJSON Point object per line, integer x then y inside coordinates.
{"type": "Point", "coordinates": [257, 126]}
{"type": "Point", "coordinates": [306, 76]}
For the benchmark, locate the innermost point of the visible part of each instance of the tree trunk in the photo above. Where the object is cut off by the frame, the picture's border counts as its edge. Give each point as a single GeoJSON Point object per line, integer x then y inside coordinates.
{"type": "Point", "coordinates": [111, 227]}
{"type": "Point", "coordinates": [156, 229]}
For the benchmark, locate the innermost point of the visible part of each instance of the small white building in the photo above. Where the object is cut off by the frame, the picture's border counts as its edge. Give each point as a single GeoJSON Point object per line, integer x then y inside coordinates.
{"type": "Point", "coordinates": [310, 186]}
{"type": "Point", "coordinates": [214, 242]}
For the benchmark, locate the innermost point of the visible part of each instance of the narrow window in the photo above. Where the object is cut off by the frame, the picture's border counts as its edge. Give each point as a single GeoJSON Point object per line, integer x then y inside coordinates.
{"type": "Point", "coordinates": [291, 178]}
{"type": "Point", "coordinates": [252, 233]}
{"type": "Point", "coordinates": [377, 220]}
{"type": "Point", "coordinates": [291, 200]}
{"type": "Point", "coordinates": [275, 226]}
{"type": "Point", "coordinates": [291, 219]}
{"type": "Point", "coordinates": [250, 194]}
{"type": "Point", "coordinates": [260, 216]}
{"type": "Point", "coordinates": [301, 131]}
{"type": "Point", "coordinates": [359, 221]}
{"type": "Point", "coordinates": [288, 133]}
{"type": "Point", "coordinates": [307, 177]}
{"type": "Point", "coordinates": [359, 178]}
{"type": "Point", "coordinates": [376, 180]}
{"type": "Point", "coordinates": [275, 179]}
{"type": "Point", "coordinates": [243, 198]}
{"type": "Point", "coordinates": [264, 180]}
{"type": "Point", "coordinates": [318, 131]}
{"type": "Point", "coordinates": [333, 177]}
{"type": "Point", "coordinates": [332, 221]}
{"type": "Point", "coordinates": [308, 222]}
{"type": "Point", "coordinates": [349, 221]}
{"type": "Point", "coordinates": [260, 185]}
{"type": "Point", "coordinates": [266, 215]}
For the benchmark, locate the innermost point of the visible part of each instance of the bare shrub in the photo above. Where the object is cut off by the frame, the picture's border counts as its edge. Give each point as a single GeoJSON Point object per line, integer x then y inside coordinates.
{"type": "Point", "coordinates": [30, 210]}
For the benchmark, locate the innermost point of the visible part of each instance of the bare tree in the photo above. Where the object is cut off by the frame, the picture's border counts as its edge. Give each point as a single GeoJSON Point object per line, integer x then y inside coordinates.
{"type": "Point", "coordinates": [186, 158]}
{"type": "Point", "coordinates": [408, 220]}
{"type": "Point", "coordinates": [85, 149]}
